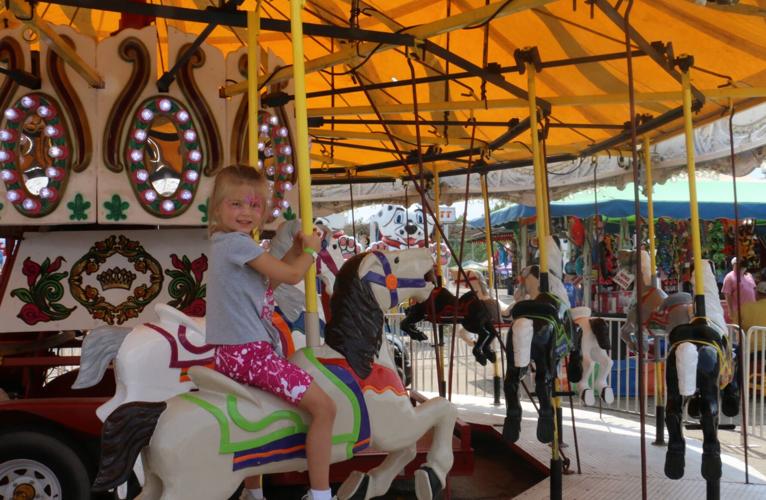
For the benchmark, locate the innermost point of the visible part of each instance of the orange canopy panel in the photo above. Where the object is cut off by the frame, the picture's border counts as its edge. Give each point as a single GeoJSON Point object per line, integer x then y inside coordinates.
{"type": "Point", "coordinates": [364, 132]}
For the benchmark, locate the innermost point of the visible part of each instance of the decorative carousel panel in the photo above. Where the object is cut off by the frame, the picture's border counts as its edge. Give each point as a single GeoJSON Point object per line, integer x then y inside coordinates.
{"type": "Point", "coordinates": [276, 128]}
{"type": "Point", "coordinates": [159, 147]}
{"type": "Point", "coordinates": [46, 142]}
{"type": "Point", "coordinates": [83, 279]}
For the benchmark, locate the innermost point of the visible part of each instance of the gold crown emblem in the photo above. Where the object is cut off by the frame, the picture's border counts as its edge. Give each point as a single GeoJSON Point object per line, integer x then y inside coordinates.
{"type": "Point", "coordinates": [116, 278]}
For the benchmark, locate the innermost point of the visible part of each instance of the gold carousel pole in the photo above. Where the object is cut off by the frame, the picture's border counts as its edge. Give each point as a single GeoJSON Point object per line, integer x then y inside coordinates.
{"type": "Point", "coordinates": [496, 369]}
{"type": "Point", "coordinates": [699, 280]}
{"type": "Point", "coordinates": [437, 235]}
{"type": "Point", "coordinates": [253, 99]}
{"type": "Point", "coordinates": [713, 485]}
{"type": "Point", "coordinates": [304, 166]}
{"type": "Point", "coordinates": [659, 355]}
{"type": "Point", "coordinates": [542, 235]}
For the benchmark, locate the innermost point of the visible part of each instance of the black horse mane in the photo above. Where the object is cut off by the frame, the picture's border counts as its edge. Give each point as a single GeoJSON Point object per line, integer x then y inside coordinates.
{"type": "Point", "coordinates": [355, 328]}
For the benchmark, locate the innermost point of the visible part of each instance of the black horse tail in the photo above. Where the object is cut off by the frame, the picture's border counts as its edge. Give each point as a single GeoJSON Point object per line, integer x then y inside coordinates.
{"type": "Point", "coordinates": [127, 430]}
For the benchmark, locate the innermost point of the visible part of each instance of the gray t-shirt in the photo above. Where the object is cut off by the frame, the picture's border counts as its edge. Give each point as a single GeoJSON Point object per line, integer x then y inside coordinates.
{"type": "Point", "coordinates": [236, 293]}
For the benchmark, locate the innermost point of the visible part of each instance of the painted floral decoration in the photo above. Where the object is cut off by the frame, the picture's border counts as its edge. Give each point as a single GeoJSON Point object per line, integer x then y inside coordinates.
{"type": "Point", "coordinates": [44, 292]}
{"type": "Point", "coordinates": [186, 285]}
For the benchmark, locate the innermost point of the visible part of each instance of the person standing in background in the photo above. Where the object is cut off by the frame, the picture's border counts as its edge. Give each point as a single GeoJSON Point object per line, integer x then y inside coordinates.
{"type": "Point", "coordinates": [746, 288]}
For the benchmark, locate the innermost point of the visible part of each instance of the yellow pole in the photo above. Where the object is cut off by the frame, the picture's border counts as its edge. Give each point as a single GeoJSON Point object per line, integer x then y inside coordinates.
{"type": "Point", "coordinates": [304, 167]}
{"type": "Point", "coordinates": [659, 358]}
{"type": "Point", "coordinates": [253, 104]}
{"type": "Point", "coordinates": [487, 236]}
{"type": "Point", "coordinates": [699, 282]}
{"type": "Point", "coordinates": [539, 190]}
{"type": "Point", "coordinates": [650, 204]}
{"type": "Point", "coordinates": [437, 216]}
{"type": "Point", "coordinates": [544, 179]}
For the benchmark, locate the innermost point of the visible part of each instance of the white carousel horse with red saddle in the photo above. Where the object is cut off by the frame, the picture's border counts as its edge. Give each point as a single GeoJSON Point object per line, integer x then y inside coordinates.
{"type": "Point", "coordinates": [202, 444]}
{"type": "Point", "coordinates": [596, 342]}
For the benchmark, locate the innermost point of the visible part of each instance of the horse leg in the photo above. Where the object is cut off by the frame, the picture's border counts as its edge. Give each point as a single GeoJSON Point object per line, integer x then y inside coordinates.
{"type": "Point", "coordinates": [512, 424]}
{"type": "Point", "coordinates": [674, 457]}
{"type": "Point", "coordinates": [376, 482]}
{"type": "Point", "coordinates": [152, 489]}
{"type": "Point", "coordinates": [543, 385]}
{"type": "Point", "coordinates": [605, 362]}
{"type": "Point", "coordinates": [478, 347]}
{"type": "Point", "coordinates": [586, 394]}
{"type": "Point", "coordinates": [486, 345]}
{"type": "Point", "coordinates": [707, 382]}
{"type": "Point", "coordinates": [391, 435]}
{"type": "Point", "coordinates": [730, 395]}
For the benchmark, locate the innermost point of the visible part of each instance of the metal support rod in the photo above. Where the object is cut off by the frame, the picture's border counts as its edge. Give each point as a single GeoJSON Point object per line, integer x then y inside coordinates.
{"type": "Point", "coordinates": [469, 74]}
{"type": "Point", "coordinates": [639, 279]}
{"type": "Point", "coordinates": [631, 34]}
{"type": "Point", "coordinates": [163, 83]}
{"type": "Point", "coordinates": [23, 78]}
{"type": "Point", "coordinates": [491, 77]}
{"type": "Point", "coordinates": [304, 169]}
{"type": "Point", "coordinates": [659, 358]}
{"type": "Point", "coordinates": [237, 19]}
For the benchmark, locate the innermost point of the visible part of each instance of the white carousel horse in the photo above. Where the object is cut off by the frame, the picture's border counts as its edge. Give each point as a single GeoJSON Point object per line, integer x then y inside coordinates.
{"type": "Point", "coordinates": [595, 333]}
{"type": "Point", "coordinates": [202, 445]}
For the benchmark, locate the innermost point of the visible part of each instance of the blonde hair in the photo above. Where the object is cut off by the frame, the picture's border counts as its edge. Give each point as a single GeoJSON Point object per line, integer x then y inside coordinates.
{"type": "Point", "coordinates": [228, 178]}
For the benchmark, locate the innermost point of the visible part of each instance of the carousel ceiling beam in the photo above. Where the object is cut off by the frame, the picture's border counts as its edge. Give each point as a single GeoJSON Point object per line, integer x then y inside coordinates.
{"type": "Point", "coordinates": [351, 145]}
{"type": "Point", "coordinates": [225, 16]}
{"type": "Point", "coordinates": [468, 74]}
{"type": "Point", "coordinates": [363, 50]}
{"type": "Point", "coordinates": [381, 136]}
{"type": "Point", "coordinates": [167, 78]}
{"type": "Point", "coordinates": [642, 128]}
{"type": "Point", "coordinates": [435, 123]}
{"type": "Point", "coordinates": [747, 10]}
{"type": "Point", "coordinates": [664, 62]}
{"type": "Point", "coordinates": [559, 101]}
{"type": "Point", "coordinates": [489, 76]}
{"type": "Point", "coordinates": [515, 128]}
{"type": "Point", "coordinates": [25, 12]}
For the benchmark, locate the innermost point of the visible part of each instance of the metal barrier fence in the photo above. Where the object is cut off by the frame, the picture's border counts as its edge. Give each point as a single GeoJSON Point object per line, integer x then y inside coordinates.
{"type": "Point", "coordinates": [754, 357]}
{"type": "Point", "coordinates": [470, 378]}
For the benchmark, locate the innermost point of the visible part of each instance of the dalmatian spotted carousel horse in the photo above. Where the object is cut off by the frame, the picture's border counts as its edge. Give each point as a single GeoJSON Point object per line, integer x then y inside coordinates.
{"type": "Point", "coordinates": [699, 364]}
{"type": "Point", "coordinates": [543, 331]}
{"type": "Point", "coordinates": [202, 444]}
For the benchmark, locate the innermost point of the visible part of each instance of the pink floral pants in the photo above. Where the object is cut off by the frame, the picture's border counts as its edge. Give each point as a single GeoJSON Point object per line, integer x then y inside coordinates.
{"type": "Point", "coordinates": [258, 365]}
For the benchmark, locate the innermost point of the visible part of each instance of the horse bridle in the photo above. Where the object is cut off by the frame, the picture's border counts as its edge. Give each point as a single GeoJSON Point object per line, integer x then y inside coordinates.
{"type": "Point", "coordinates": [390, 281]}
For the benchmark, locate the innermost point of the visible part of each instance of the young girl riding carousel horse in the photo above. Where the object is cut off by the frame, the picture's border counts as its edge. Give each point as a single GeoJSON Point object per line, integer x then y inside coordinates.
{"type": "Point", "coordinates": [240, 305]}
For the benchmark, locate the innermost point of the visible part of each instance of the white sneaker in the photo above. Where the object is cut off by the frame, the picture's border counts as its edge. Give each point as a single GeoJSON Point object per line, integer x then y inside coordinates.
{"type": "Point", "coordinates": [308, 496]}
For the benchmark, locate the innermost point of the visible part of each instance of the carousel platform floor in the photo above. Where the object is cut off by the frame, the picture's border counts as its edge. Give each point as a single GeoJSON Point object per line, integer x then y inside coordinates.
{"type": "Point", "coordinates": [610, 457]}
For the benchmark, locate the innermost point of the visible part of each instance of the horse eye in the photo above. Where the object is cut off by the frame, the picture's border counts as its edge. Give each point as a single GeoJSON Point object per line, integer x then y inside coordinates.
{"type": "Point", "coordinates": [396, 260]}
{"type": "Point", "coordinates": [334, 246]}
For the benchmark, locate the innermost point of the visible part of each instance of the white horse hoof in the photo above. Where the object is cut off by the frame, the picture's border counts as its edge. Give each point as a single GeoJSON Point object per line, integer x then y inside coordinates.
{"type": "Point", "coordinates": [607, 395]}
{"type": "Point", "coordinates": [355, 486]}
{"type": "Point", "coordinates": [588, 398]}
